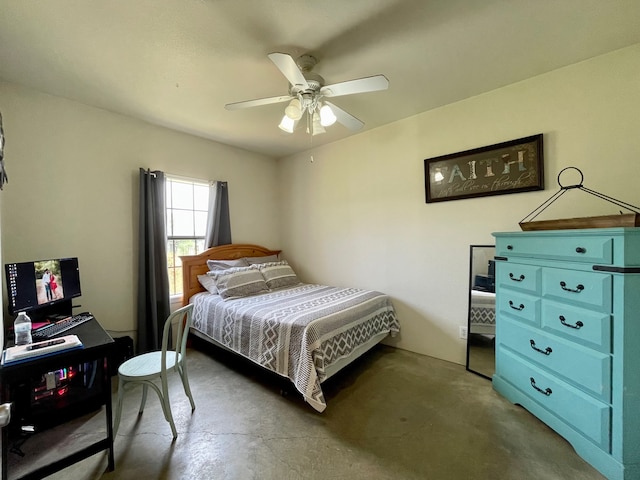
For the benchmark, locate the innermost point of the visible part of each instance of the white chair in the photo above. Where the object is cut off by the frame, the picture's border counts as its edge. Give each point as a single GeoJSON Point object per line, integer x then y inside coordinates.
{"type": "Point", "coordinates": [147, 367]}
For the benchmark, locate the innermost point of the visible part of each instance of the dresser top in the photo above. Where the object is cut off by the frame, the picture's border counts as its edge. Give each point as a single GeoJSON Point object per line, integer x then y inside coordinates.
{"type": "Point", "coordinates": [617, 231]}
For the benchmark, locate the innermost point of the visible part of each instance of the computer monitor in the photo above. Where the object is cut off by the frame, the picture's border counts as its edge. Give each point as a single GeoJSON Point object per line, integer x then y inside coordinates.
{"type": "Point", "coordinates": [42, 284]}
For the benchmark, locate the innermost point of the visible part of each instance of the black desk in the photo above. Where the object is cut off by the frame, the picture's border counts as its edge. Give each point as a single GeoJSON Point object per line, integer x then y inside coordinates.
{"type": "Point", "coordinates": [97, 345]}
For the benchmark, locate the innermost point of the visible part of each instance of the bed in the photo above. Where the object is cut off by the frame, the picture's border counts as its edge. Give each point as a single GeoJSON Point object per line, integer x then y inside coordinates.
{"type": "Point", "coordinates": [305, 332]}
{"type": "Point", "coordinates": [482, 313]}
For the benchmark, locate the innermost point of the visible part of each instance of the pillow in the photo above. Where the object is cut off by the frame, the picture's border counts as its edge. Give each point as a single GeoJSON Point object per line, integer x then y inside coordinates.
{"type": "Point", "coordinates": [257, 260]}
{"type": "Point", "coordinates": [224, 264]}
{"type": "Point", "coordinates": [278, 274]}
{"type": "Point", "coordinates": [239, 282]}
{"type": "Point", "coordinates": [209, 283]}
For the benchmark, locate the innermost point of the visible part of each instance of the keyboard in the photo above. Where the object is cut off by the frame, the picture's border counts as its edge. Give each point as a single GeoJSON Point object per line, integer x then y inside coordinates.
{"type": "Point", "coordinates": [60, 326]}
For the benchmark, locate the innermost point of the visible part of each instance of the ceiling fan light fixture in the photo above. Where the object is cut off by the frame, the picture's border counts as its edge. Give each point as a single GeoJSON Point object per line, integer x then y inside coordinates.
{"type": "Point", "coordinates": [306, 90]}
{"type": "Point", "coordinates": [316, 126]}
{"type": "Point", "coordinates": [327, 117]}
{"type": "Point", "coordinates": [287, 124]}
{"type": "Point", "coordinates": [293, 110]}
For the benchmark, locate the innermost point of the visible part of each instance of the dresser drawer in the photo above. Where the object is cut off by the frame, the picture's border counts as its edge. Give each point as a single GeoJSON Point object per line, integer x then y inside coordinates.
{"type": "Point", "coordinates": [589, 369]}
{"type": "Point", "coordinates": [518, 305]}
{"type": "Point", "coordinates": [586, 289]}
{"type": "Point", "coordinates": [576, 408]}
{"type": "Point", "coordinates": [582, 249]}
{"type": "Point", "coordinates": [516, 276]}
{"type": "Point", "coordinates": [589, 328]}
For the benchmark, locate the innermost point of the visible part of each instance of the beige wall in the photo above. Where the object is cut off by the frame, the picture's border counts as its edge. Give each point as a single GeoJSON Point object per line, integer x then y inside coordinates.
{"type": "Point", "coordinates": [73, 191]}
{"type": "Point", "coordinates": [357, 215]}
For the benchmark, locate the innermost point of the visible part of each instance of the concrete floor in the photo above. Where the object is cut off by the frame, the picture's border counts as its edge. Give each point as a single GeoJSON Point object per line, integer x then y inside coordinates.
{"type": "Point", "coordinates": [392, 415]}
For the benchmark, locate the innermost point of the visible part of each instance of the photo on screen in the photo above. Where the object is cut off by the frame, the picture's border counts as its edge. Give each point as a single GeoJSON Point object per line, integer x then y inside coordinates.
{"type": "Point", "coordinates": [48, 281]}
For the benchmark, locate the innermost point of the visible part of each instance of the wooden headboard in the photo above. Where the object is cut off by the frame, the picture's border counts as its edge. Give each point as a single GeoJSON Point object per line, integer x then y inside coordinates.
{"type": "Point", "coordinates": [194, 265]}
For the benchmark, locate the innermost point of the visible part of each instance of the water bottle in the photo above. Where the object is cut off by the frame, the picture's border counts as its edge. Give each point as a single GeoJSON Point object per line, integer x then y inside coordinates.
{"type": "Point", "coordinates": [22, 329]}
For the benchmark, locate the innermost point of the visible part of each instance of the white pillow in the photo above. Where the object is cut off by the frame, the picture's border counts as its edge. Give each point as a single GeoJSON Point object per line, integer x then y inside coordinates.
{"type": "Point", "coordinates": [224, 264]}
{"type": "Point", "coordinates": [265, 259]}
{"type": "Point", "coordinates": [209, 283]}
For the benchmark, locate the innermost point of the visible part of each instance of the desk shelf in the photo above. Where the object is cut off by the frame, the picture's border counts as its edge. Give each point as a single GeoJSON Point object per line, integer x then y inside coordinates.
{"type": "Point", "coordinates": [98, 348]}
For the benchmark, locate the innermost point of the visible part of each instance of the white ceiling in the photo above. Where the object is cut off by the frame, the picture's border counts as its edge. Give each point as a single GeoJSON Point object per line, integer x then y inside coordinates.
{"type": "Point", "coordinates": [176, 63]}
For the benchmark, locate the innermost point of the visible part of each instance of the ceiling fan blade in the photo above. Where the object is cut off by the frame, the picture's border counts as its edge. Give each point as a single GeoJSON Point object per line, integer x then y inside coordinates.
{"type": "Point", "coordinates": [287, 65]}
{"type": "Point", "coordinates": [360, 85]}
{"type": "Point", "coordinates": [257, 102]}
{"type": "Point", "coordinates": [346, 119]}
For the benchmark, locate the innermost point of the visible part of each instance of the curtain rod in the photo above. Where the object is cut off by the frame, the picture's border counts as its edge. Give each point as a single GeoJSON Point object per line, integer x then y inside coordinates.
{"type": "Point", "coordinates": [185, 178]}
{"type": "Point", "coordinates": [189, 179]}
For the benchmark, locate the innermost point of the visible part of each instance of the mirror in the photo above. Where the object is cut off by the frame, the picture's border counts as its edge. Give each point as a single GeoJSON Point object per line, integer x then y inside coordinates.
{"type": "Point", "coordinates": [481, 327]}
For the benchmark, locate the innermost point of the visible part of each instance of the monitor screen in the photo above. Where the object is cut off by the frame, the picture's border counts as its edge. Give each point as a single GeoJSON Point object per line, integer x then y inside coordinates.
{"type": "Point", "coordinates": [39, 284]}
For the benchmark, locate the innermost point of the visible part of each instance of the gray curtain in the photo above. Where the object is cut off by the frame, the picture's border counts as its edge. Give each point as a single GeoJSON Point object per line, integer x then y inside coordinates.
{"type": "Point", "coordinates": [153, 278]}
{"type": "Point", "coordinates": [218, 223]}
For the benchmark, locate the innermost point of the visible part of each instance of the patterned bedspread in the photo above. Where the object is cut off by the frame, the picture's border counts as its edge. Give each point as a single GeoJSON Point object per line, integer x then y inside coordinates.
{"type": "Point", "coordinates": [483, 308]}
{"type": "Point", "coordinates": [298, 331]}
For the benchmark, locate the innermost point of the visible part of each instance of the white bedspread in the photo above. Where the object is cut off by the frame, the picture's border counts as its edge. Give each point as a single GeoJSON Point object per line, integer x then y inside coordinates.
{"type": "Point", "coordinates": [297, 331]}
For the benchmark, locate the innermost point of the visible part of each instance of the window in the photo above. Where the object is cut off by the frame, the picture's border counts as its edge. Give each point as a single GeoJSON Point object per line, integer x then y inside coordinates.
{"type": "Point", "coordinates": [187, 203]}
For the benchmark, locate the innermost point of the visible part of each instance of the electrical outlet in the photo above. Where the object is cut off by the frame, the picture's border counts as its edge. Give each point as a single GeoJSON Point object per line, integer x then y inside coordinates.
{"type": "Point", "coordinates": [463, 332]}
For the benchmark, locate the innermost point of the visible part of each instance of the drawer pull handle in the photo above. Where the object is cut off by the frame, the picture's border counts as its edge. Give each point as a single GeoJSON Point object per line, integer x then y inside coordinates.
{"type": "Point", "coordinates": [546, 351]}
{"type": "Point", "coordinates": [578, 324]}
{"type": "Point", "coordinates": [509, 247]}
{"type": "Point", "coordinates": [521, 307]}
{"type": "Point", "coordinates": [519, 279]}
{"type": "Point", "coordinates": [578, 288]}
{"type": "Point", "coordinates": [581, 250]}
{"type": "Point", "coordinates": [547, 391]}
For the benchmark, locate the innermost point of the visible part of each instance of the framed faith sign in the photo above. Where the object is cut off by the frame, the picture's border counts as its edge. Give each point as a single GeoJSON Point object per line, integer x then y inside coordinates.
{"type": "Point", "coordinates": [509, 167]}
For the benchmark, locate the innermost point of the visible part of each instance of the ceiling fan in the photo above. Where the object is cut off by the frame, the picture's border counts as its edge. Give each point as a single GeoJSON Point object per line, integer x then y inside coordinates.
{"type": "Point", "coordinates": [307, 93]}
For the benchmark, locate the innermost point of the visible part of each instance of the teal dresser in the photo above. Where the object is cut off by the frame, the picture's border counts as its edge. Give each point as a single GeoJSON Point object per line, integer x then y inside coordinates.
{"type": "Point", "coordinates": [568, 338]}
